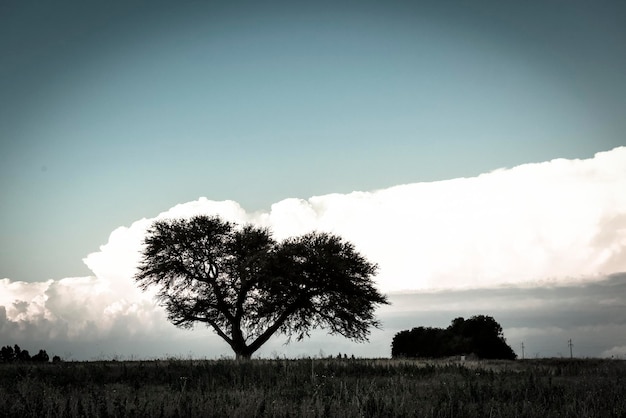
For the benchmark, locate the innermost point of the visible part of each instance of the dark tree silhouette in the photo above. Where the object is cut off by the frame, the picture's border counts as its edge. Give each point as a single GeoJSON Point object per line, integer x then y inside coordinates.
{"type": "Point", "coordinates": [10, 354]}
{"type": "Point", "coordinates": [23, 355]}
{"type": "Point", "coordinates": [246, 286]}
{"type": "Point", "coordinates": [484, 335]}
{"type": "Point", "coordinates": [42, 357]}
{"type": "Point", "coordinates": [7, 354]}
{"type": "Point", "coordinates": [480, 335]}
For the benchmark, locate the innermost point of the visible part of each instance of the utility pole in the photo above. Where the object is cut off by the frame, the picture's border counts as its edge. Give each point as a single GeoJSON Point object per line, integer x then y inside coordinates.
{"type": "Point", "coordinates": [569, 343]}
{"type": "Point", "coordinates": [522, 350]}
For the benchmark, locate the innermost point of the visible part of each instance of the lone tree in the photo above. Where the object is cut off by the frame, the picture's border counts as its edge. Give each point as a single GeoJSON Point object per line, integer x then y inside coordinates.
{"type": "Point", "coordinates": [247, 286]}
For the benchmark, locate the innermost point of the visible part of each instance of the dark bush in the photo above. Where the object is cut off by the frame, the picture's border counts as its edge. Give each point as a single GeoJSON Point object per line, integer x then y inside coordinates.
{"type": "Point", "coordinates": [42, 357]}
{"type": "Point", "coordinates": [480, 335]}
{"type": "Point", "coordinates": [10, 354]}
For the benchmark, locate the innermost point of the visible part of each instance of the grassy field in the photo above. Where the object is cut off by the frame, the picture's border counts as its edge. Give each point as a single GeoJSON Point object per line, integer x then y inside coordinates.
{"type": "Point", "coordinates": [315, 388]}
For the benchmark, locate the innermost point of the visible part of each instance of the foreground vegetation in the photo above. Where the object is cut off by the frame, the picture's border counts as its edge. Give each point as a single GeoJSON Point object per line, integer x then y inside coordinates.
{"type": "Point", "coordinates": [315, 388]}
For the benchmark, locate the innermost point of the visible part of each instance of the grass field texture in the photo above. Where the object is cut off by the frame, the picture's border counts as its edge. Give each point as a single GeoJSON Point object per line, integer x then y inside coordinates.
{"type": "Point", "coordinates": [315, 388]}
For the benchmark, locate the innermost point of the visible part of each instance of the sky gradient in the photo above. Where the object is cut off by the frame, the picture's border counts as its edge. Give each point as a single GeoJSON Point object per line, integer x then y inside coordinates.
{"type": "Point", "coordinates": [115, 112]}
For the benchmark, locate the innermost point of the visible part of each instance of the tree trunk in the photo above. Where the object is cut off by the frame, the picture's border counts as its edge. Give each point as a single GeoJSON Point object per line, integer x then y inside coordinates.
{"type": "Point", "coordinates": [242, 356]}
{"type": "Point", "coordinates": [242, 351]}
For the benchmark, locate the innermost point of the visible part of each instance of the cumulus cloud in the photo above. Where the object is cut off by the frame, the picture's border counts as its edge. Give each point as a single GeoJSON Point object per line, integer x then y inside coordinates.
{"type": "Point", "coordinates": [563, 219]}
{"type": "Point", "coordinates": [544, 224]}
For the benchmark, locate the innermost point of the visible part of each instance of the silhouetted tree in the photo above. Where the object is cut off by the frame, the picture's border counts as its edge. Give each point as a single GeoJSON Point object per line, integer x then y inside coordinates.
{"type": "Point", "coordinates": [7, 354]}
{"type": "Point", "coordinates": [246, 286]}
{"type": "Point", "coordinates": [23, 355]}
{"type": "Point", "coordinates": [480, 335]}
{"type": "Point", "coordinates": [487, 340]}
{"type": "Point", "coordinates": [10, 354]}
{"type": "Point", "coordinates": [419, 342]}
{"type": "Point", "coordinates": [42, 357]}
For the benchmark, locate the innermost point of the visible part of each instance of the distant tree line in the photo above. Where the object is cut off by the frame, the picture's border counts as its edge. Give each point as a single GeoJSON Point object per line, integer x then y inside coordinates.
{"type": "Point", "coordinates": [480, 336]}
{"type": "Point", "coordinates": [14, 354]}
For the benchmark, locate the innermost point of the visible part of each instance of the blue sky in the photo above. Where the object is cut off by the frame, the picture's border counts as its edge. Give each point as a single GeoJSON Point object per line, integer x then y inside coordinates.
{"type": "Point", "coordinates": [115, 111]}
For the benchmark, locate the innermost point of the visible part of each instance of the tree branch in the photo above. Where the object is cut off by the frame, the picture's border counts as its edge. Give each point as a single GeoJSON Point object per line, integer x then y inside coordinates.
{"type": "Point", "coordinates": [262, 339]}
{"type": "Point", "coordinates": [211, 281]}
{"type": "Point", "coordinates": [217, 329]}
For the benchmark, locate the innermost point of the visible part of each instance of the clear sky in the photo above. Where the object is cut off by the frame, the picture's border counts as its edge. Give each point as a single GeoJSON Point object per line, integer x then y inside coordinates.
{"type": "Point", "coordinates": [115, 111]}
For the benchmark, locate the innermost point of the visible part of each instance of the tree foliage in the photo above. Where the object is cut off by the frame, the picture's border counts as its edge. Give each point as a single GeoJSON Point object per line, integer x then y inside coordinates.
{"type": "Point", "coordinates": [480, 335]}
{"type": "Point", "coordinates": [10, 354]}
{"type": "Point", "coordinates": [247, 286]}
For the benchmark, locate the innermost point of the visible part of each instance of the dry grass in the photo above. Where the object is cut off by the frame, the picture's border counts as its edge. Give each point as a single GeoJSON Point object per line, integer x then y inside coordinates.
{"type": "Point", "coordinates": [315, 388]}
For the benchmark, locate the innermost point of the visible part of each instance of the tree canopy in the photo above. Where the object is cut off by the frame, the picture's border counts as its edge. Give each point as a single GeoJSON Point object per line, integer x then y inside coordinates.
{"type": "Point", "coordinates": [247, 286]}
{"type": "Point", "coordinates": [480, 335]}
{"type": "Point", "coordinates": [10, 354]}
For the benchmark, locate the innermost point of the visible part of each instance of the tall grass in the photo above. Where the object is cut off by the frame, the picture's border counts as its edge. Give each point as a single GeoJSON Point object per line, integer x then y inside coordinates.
{"type": "Point", "coordinates": [314, 388]}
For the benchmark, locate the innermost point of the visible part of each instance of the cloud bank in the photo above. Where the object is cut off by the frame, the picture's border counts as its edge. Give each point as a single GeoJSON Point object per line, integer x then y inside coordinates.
{"type": "Point", "coordinates": [536, 225]}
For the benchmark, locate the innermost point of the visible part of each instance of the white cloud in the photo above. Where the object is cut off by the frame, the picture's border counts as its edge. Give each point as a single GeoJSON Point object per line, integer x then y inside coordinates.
{"type": "Point", "coordinates": [559, 219]}
{"type": "Point", "coordinates": [555, 222]}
